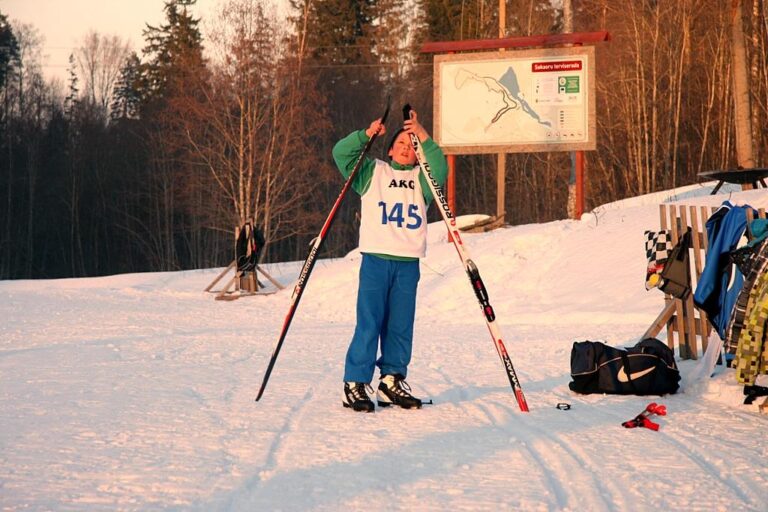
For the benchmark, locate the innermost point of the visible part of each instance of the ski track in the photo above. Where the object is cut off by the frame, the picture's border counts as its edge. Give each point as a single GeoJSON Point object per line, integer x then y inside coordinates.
{"type": "Point", "coordinates": [153, 407]}
{"type": "Point", "coordinates": [547, 450]}
{"type": "Point", "coordinates": [271, 462]}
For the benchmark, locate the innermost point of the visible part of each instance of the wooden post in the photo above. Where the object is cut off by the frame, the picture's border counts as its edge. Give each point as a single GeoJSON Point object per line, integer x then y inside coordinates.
{"type": "Point", "coordinates": [689, 311]}
{"type": "Point", "coordinates": [501, 180]}
{"type": "Point", "coordinates": [218, 278]}
{"type": "Point", "coordinates": [451, 185]}
{"type": "Point", "coordinates": [698, 266]}
{"type": "Point", "coordinates": [451, 181]}
{"type": "Point", "coordinates": [578, 209]}
{"type": "Point", "coordinates": [451, 188]}
{"type": "Point", "coordinates": [501, 160]}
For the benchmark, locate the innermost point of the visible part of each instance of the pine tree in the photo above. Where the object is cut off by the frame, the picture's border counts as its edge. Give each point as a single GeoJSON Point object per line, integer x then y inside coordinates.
{"type": "Point", "coordinates": [455, 20]}
{"type": "Point", "coordinates": [173, 53]}
{"type": "Point", "coordinates": [9, 48]}
{"type": "Point", "coordinates": [126, 94]}
{"type": "Point", "coordinates": [341, 54]}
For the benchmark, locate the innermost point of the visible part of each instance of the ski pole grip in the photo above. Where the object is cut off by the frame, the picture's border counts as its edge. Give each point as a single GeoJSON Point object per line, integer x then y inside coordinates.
{"type": "Point", "coordinates": [407, 111]}
{"type": "Point", "coordinates": [650, 425]}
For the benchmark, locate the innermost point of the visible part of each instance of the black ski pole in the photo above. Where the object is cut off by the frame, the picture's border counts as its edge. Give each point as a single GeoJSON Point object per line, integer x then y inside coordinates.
{"type": "Point", "coordinates": [309, 264]}
{"type": "Point", "coordinates": [469, 266]}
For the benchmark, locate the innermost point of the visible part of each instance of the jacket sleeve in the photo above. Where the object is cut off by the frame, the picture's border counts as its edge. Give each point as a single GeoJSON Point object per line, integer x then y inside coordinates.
{"type": "Point", "coordinates": [345, 154]}
{"type": "Point", "coordinates": [437, 165]}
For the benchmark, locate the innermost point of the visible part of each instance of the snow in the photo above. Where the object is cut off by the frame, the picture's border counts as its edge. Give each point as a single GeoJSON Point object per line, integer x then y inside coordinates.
{"type": "Point", "coordinates": [136, 392]}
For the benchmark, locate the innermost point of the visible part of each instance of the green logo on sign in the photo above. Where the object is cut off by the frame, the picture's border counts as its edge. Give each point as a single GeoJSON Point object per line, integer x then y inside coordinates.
{"type": "Point", "coordinates": [568, 84]}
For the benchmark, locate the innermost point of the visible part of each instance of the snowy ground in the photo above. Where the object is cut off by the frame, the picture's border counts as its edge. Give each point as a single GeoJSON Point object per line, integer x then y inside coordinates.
{"type": "Point", "coordinates": [136, 392]}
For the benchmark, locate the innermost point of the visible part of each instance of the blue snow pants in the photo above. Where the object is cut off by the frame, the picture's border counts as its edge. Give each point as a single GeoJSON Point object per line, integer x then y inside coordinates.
{"type": "Point", "coordinates": [386, 306]}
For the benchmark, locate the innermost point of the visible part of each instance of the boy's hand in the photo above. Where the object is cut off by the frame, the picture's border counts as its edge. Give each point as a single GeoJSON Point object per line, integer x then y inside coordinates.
{"type": "Point", "coordinates": [376, 128]}
{"type": "Point", "coordinates": [413, 126]}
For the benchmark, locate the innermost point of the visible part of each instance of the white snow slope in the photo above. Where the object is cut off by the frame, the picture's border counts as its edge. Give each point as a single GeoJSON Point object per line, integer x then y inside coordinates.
{"type": "Point", "coordinates": [136, 392]}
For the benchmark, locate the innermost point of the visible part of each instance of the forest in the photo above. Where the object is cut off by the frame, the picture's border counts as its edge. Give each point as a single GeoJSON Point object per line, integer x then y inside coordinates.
{"type": "Point", "coordinates": [147, 160]}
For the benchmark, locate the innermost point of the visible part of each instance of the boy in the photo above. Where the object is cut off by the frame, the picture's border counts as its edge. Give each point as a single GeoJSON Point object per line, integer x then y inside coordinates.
{"type": "Point", "coordinates": [393, 236]}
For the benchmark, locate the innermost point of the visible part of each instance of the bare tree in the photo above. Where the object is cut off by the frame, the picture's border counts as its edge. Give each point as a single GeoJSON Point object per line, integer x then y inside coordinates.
{"type": "Point", "coordinates": [252, 127]}
{"type": "Point", "coordinates": [99, 60]}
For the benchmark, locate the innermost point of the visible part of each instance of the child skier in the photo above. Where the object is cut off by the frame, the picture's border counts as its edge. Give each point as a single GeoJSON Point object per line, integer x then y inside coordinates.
{"type": "Point", "coordinates": [393, 236]}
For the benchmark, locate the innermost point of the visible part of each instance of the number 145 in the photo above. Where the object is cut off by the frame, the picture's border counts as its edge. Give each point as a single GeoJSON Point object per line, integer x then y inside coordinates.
{"type": "Point", "coordinates": [396, 215]}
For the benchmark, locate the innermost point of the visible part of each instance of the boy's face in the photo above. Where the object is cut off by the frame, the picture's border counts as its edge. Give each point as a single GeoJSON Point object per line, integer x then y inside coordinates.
{"type": "Point", "coordinates": [402, 151]}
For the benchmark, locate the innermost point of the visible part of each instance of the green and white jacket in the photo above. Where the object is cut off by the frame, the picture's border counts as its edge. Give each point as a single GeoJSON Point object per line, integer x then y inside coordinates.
{"type": "Point", "coordinates": [394, 198]}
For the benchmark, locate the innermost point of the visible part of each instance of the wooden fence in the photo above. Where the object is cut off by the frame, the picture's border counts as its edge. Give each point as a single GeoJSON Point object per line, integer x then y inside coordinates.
{"type": "Point", "coordinates": [688, 325]}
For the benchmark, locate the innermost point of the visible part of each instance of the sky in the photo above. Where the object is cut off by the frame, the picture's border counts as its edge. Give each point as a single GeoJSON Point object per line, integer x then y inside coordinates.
{"type": "Point", "coordinates": [64, 23]}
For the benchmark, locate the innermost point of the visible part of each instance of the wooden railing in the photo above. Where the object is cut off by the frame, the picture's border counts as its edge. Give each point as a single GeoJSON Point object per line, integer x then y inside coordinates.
{"type": "Point", "coordinates": [688, 325]}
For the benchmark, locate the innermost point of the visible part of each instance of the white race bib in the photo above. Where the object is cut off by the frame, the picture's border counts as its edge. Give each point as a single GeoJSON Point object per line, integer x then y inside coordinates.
{"type": "Point", "coordinates": [394, 215]}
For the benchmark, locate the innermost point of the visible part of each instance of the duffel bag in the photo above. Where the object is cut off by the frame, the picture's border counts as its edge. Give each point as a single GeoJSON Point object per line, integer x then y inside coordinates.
{"type": "Point", "coordinates": [648, 368]}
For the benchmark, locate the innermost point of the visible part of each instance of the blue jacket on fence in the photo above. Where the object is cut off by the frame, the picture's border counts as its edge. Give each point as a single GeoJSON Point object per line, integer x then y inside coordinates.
{"type": "Point", "coordinates": [713, 294]}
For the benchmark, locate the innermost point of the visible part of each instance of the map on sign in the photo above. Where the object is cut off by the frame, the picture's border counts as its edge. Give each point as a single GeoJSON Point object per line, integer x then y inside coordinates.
{"type": "Point", "coordinates": [535, 100]}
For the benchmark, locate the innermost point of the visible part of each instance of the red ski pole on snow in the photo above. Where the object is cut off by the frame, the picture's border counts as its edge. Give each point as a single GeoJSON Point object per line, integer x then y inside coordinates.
{"type": "Point", "coordinates": [309, 264]}
{"type": "Point", "coordinates": [642, 419]}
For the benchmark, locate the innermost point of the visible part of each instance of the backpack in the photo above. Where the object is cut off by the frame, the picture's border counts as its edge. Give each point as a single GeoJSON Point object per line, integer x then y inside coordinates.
{"type": "Point", "coordinates": [648, 368]}
{"type": "Point", "coordinates": [676, 276]}
{"type": "Point", "coordinates": [248, 245]}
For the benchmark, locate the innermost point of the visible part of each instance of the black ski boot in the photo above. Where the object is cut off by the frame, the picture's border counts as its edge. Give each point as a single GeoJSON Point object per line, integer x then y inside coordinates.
{"type": "Point", "coordinates": [356, 396]}
{"type": "Point", "coordinates": [393, 390]}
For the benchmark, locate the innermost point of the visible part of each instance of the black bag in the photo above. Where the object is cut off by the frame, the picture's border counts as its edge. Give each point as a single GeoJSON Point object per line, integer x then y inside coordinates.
{"type": "Point", "coordinates": [248, 245]}
{"type": "Point", "coordinates": [648, 368]}
{"type": "Point", "coordinates": [676, 276]}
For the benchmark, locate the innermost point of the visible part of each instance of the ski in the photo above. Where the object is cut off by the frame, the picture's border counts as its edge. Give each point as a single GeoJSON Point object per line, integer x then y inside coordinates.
{"type": "Point", "coordinates": [309, 263]}
{"type": "Point", "coordinates": [474, 274]}
{"type": "Point", "coordinates": [643, 419]}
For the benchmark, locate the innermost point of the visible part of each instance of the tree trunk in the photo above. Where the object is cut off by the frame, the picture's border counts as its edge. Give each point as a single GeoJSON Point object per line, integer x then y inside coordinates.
{"type": "Point", "coordinates": [744, 155]}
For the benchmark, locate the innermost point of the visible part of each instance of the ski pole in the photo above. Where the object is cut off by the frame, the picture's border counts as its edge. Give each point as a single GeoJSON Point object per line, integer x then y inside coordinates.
{"type": "Point", "coordinates": [643, 419]}
{"type": "Point", "coordinates": [469, 266]}
{"type": "Point", "coordinates": [309, 263]}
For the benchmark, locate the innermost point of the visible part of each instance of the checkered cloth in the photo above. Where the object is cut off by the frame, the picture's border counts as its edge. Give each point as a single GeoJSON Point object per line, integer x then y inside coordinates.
{"type": "Point", "coordinates": [657, 248]}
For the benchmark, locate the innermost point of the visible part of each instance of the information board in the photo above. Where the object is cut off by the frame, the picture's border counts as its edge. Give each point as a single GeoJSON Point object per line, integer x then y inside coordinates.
{"type": "Point", "coordinates": [515, 101]}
